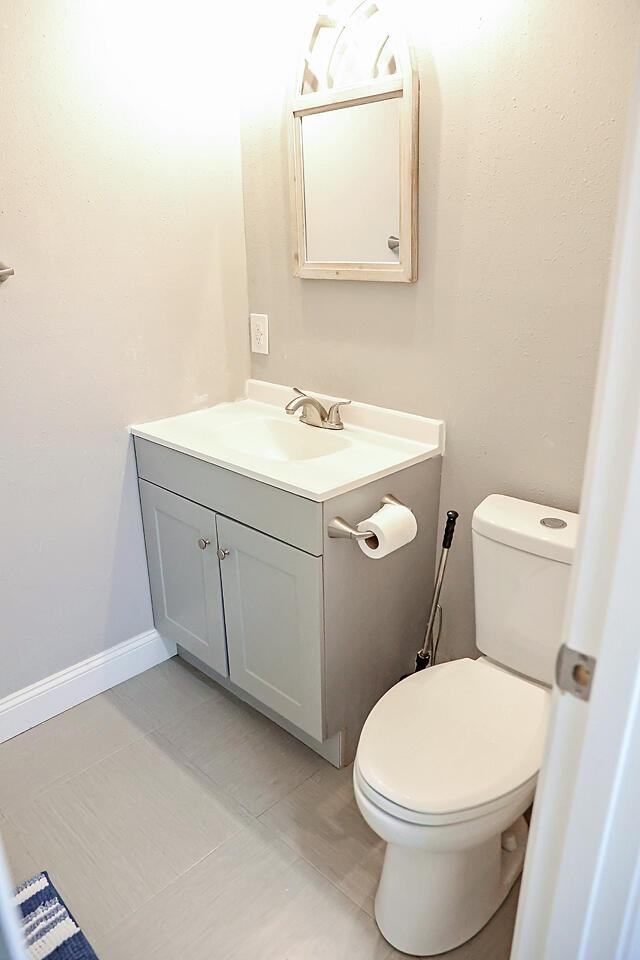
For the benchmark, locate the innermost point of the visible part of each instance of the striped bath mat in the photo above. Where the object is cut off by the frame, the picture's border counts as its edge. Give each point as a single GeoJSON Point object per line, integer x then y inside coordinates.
{"type": "Point", "coordinates": [49, 929]}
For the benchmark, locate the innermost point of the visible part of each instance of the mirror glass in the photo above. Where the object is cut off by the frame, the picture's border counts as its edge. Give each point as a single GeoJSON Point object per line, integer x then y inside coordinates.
{"type": "Point", "coordinates": [351, 163]}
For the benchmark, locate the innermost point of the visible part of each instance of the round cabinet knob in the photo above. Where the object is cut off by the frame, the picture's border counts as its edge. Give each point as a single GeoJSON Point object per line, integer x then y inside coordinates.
{"type": "Point", "coordinates": [223, 554]}
{"type": "Point", "coordinates": [203, 544]}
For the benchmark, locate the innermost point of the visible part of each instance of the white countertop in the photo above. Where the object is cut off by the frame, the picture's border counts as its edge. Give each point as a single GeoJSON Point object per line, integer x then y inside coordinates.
{"type": "Point", "coordinates": [375, 442]}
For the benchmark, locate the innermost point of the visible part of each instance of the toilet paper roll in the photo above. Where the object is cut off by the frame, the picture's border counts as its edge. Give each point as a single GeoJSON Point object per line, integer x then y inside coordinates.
{"type": "Point", "coordinates": [394, 525]}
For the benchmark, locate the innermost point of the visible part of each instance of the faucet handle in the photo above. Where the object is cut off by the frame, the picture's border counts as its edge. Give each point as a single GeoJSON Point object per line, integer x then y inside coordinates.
{"type": "Point", "coordinates": [334, 420]}
{"type": "Point", "coordinates": [300, 392]}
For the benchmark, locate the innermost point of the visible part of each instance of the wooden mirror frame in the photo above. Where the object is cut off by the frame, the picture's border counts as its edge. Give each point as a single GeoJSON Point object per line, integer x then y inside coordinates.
{"type": "Point", "coordinates": [403, 84]}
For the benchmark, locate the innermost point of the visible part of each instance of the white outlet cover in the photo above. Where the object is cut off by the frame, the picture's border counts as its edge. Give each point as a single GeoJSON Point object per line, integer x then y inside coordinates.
{"type": "Point", "coordinates": [259, 323]}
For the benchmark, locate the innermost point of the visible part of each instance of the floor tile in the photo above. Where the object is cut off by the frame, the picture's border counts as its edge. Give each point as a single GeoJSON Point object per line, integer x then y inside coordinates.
{"type": "Point", "coordinates": [21, 863]}
{"type": "Point", "coordinates": [117, 833]}
{"type": "Point", "coordinates": [146, 839]}
{"type": "Point", "coordinates": [162, 694]}
{"type": "Point", "coordinates": [253, 759]}
{"type": "Point", "coordinates": [62, 746]}
{"type": "Point", "coordinates": [250, 898]}
{"type": "Point", "coordinates": [322, 823]}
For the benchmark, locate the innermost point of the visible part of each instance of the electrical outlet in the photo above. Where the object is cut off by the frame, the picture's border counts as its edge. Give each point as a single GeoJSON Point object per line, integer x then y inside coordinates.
{"type": "Point", "coordinates": [259, 323]}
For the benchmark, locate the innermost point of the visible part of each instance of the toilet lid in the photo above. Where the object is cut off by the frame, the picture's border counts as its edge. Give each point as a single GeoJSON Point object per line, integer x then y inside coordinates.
{"type": "Point", "coordinates": [453, 737]}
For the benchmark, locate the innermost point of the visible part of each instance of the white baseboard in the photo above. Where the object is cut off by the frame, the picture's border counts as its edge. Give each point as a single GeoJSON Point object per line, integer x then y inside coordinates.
{"type": "Point", "coordinates": [45, 699]}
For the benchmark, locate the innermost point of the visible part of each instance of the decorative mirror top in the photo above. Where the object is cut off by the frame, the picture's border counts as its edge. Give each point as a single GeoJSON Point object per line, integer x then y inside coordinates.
{"type": "Point", "coordinates": [350, 43]}
{"type": "Point", "coordinates": [354, 145]}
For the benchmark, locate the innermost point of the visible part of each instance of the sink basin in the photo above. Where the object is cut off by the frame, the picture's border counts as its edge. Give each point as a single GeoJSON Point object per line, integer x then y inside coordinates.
{"type": "Point", "coordinates": [253, 437]}
{"type": "Point", "coordinates": [275, 439]}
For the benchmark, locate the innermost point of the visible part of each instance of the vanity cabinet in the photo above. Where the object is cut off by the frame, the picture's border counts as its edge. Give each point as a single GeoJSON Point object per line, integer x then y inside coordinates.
{"type": "Point", "coordinates": [242, 602]}
{"type": "Point", "coordinates": [246, 581]}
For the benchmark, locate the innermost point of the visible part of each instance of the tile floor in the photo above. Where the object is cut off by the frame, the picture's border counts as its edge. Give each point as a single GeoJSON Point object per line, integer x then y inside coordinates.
{"type": "Point", "coordinates": [179, 824]}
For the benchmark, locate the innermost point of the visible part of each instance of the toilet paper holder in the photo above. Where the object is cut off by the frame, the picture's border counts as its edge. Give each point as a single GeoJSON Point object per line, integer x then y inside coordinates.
{"type": "Point", "coordinates": [338, 527]}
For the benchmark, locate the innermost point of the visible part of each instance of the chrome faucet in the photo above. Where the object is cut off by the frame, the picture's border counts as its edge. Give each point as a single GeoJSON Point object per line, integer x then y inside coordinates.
{"type": "Point", "coordinates": [313, 412]}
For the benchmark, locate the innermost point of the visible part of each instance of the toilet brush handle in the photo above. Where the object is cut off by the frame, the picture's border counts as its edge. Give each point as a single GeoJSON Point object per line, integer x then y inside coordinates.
{"type": "Point", "coordinates": [426, 655]}
{"type": "Point", "coordinates": [450, 526]}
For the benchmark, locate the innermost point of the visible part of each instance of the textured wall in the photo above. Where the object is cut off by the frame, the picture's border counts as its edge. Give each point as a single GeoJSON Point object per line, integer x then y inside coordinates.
{"type": "Point", "coordinates": [122, 215]}
{"type": "Point", "coordinates": [523, 108]}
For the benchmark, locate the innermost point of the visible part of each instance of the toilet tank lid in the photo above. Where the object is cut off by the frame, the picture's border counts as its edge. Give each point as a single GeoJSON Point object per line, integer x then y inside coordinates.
{"type": "Point", "coordinates": [527, 526]}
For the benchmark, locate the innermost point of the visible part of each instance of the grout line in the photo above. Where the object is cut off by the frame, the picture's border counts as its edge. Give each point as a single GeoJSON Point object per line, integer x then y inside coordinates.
{"type": "Point", "coordinates": [241, 829]}
{"type": "Point", "coordinates": [333, 883]}
{"type": "Point", "coordinates": [68, 777]}
{"type": "Point", "coordinates": [190, 763]}
{"type": "Point", "coordinates": [141, 735]}
{"type": "Point", "coordinates": [286, 795]}
{"type": "Point", "coordinates": [183, 714]}
{"type": "Point", "coordinates": [179, 876]}
{"type": "Point", "coordinates": [302, 856]}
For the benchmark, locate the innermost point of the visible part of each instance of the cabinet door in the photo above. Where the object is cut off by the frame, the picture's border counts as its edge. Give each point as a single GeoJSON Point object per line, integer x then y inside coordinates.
{"type": "Point", "coordinates": [273, 612]}
{"type": "Point", "coordinates": [184, 572]}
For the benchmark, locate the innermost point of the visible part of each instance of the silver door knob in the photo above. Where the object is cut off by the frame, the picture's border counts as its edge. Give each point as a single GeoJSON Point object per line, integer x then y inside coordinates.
{"type": "Point", "coordinates": [222, 554]}
{"type": "Point", "coordinates": [203, 544]}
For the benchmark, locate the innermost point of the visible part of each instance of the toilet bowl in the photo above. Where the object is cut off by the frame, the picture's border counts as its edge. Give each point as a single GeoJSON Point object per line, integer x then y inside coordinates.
{"type": "Point", "coordinates": [448, 759]}
{"type": "Point", "coordinates": [447, 763]}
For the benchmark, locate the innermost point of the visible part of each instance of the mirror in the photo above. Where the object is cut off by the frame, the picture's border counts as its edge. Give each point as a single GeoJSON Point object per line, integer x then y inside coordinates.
{"type": "Point", "coordinates": [354, 139]}
{"type": "Point", "coordinates": [351, 172]}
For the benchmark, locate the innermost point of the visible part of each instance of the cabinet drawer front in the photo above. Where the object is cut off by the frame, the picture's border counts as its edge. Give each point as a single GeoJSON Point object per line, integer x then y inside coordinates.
{"type": "Point", "coordinates": [273, 612]}
{"type": "Point", "coordinates": [284, 515]}
{"type": "Point", "coordinates": [184, 572]}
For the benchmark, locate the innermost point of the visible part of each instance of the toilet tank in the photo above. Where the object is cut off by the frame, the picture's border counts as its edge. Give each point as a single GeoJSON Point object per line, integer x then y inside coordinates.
{"type": "Point", "coordinates": [522, 556]}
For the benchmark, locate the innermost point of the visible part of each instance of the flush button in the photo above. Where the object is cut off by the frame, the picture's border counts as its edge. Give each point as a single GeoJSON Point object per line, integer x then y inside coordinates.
{"type": "Point", "coordinates": [555, 523]}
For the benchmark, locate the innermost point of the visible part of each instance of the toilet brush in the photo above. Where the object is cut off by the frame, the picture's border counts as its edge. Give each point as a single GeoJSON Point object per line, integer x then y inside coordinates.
{"type": "Point", "coordinates": [426, 656]}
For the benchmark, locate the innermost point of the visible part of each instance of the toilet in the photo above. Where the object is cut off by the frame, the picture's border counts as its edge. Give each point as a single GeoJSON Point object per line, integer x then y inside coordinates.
{"type": "Point", "coordinates": [448, 759]}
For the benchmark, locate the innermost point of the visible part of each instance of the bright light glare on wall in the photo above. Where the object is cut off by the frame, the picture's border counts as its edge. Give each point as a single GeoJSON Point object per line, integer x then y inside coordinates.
{"type": "Point", "coordinates": [166, 67]}
{"type": "Point", "coordinates": [450, 26]}
{"type": "Point", "coordinates": [175, 72]}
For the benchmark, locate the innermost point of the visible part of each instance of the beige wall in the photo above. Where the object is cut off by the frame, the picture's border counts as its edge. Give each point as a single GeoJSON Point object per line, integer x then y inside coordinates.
{"type": "Point", "coordinates": [522, 123]}
{"type": "Point", "coordinates": [122, 216]}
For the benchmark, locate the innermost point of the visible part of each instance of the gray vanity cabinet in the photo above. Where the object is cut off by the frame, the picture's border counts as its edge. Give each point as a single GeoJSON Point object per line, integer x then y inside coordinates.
{"type": "Point", "coordinates": [273, 611]}
{"type": "Point", "coordinates": [184, 573]}
{"type": "Point", "coordinates": [301, 626]}
{"type": "Point", "coordinates": [242, 602]}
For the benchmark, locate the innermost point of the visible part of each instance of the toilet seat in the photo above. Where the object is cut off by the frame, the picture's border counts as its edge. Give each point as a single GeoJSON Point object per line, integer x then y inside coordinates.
{"type": "Point", "coordinates": [453, 742]}
{"type": "Point", "coordinates": [440, 819]}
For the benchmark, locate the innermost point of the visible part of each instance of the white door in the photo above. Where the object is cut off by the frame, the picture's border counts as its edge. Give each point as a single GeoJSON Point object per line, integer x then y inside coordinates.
{"type": "Point", "coordinates": [273, 612]}
{"type": "Point", "coordinates": [581, 886]}
{"type": "Point", "coordinates": [11, 943]}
